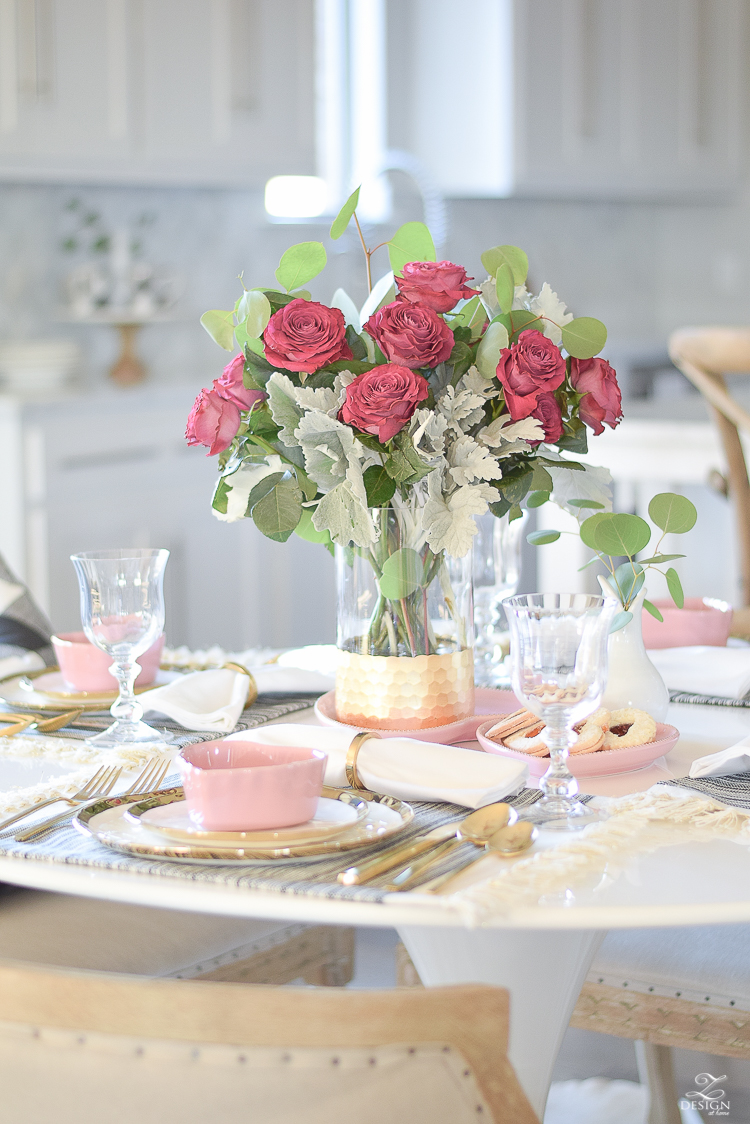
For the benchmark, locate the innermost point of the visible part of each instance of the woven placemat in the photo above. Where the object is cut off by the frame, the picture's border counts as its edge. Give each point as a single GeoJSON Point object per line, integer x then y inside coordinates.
{"type": "Point", "coordinates": [705, 700]}
{"type": "Point", "coordinates": [733, 790]}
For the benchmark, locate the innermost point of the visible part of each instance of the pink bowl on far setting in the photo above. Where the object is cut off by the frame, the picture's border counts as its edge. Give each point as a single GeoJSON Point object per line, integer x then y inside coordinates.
{"type": "Point", "coordinates": [85, 667]}
{"type": "Point", "coordinates": [243, 786]}
{"type": "Point", "coordinates": [701, 621]}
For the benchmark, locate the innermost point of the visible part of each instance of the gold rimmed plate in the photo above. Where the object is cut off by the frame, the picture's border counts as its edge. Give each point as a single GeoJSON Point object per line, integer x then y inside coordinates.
{"type": "Point", "coordinates": [47, 690]}
{"type": "Point", "coordinates": [109, 824]}
{"type": "Point", "coordinates": [172, 819]}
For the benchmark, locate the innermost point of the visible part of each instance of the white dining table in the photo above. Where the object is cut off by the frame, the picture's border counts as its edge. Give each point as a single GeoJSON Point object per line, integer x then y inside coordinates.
{"type": "Point", "coordinates": [540, 952]}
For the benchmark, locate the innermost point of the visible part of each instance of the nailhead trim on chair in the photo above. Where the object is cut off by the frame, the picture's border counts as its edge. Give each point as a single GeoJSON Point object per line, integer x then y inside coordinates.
{"type": "Point", "coordinates": [716, 1000]}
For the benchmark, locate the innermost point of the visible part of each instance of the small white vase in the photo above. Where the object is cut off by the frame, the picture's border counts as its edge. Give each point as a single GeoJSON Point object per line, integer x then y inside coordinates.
{"type": "Point", "coordinates": [633, 680]}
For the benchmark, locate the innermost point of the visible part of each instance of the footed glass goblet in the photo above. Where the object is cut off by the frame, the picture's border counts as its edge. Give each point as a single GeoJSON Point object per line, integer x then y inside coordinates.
{"type": "Point", "coordinates": [559, 671]}
{"type": "Point", "coordinates": [122, 612]}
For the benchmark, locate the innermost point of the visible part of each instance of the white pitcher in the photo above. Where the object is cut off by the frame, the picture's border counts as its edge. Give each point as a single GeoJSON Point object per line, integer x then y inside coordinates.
{"type": "Point", "coordinates": [633, 680]}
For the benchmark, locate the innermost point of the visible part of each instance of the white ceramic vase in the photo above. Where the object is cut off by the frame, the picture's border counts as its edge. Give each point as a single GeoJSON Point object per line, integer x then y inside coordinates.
{"type": "Point", "coordinates": [633, 680]}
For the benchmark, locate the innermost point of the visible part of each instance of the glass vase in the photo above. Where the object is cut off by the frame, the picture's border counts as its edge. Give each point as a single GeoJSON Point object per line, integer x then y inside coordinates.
{"type": "Point", "coordinates": [405, 628]}
{"type": "Point", "coordinates": [496, 573]}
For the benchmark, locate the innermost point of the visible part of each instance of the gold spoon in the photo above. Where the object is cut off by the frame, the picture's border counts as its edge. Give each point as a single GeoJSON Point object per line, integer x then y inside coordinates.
{"type": "Point", "coordinates": [508, 841]}
{"type": "Point", "coordinates": [478, 827]}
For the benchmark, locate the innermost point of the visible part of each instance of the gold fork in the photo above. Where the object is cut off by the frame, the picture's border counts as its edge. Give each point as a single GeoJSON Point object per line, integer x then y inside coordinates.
{"type": "Point", "coordinates": [146, 782]}
{"type": "Point", "coordinates": [90, 790]}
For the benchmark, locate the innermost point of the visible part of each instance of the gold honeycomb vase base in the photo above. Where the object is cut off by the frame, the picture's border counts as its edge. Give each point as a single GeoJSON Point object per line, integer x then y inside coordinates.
{"type": "Point", "coordinates": [404, 692]}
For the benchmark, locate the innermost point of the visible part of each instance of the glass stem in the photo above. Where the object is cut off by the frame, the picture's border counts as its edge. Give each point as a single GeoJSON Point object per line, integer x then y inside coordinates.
{"type": "Point", "coordinates": [558, 780]}
{"type": "Point", "coordinates": [126, 707]}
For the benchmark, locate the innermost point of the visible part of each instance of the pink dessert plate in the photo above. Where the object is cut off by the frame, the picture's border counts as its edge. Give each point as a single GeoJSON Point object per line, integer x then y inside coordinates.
{"type": "Point", "coordinates": [598, 764]}
{"type": "Point", "coordinates": [487, 701]}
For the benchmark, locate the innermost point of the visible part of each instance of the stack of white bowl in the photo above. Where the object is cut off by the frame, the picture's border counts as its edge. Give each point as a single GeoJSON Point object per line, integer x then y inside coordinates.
{"type": "Point", "coordinates": [38, 366]}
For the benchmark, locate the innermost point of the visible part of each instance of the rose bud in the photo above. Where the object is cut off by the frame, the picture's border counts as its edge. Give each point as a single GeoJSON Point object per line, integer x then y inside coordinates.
{"type": "Point", "coordinates": [548, 412]}
{"type": "Point", "coordinates": [382, 401]}
{"type": "Point", "coordinates": [602, 401]}
{"type": "Point", "coordinates": [213, 422]}
{"type": "Point", "coordinates": [438, 284]}
{"type": "Point", "coordinates": [305, 336]}
{"type": "Point", "coordinates": [411, 334]}
{"type": "Point", "coordinates": [532, 366]}
{"type": "Point", "coordinates": [231, 386]}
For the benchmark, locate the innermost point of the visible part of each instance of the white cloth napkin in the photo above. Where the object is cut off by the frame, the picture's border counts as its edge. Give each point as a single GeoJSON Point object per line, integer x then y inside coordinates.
{"type": "Point", "coordinates": [304, 670]}
{"type": "Point", "coordinates": [736, 759]}
{"type": "Point", "coordinates": [703, 670]}
{"type": "Point", "coordinates": [404, 767]}
{"type": "Point", "coordinates": [19, 665]}
{"type": "Point", "coordinates": [203, 700]}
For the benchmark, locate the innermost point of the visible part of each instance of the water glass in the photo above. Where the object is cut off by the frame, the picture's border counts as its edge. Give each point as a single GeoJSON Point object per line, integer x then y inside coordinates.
{"type": "Point", "coordinates": [122, 612]}
{"type": "Point", "coordinates": [496, 570]}
{"type": "Point", "coordinates": [559, 671]}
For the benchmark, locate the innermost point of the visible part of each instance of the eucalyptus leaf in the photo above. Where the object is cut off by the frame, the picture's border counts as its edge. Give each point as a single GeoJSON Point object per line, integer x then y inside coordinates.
{"type": "Point", "coordinates": [510, 255]}
{"type": "Point", "coordinates": [340, 223]}
{"type": "Point", "coordinates": [278, 513]}
{"type": "Point", "coordinates": [621, 534]}
{"type": "Point", "coordinates": [585, 503]}
{"type": "Point", "coordinates": [674, 514]}
{"type": "Point", "coordinates": [402, 574]}
{"type": "Point", "coordinates": [379, 486]}
{"type": "Point", "coordinates": [521, 320]}
{"type": "Point", "coordinates": [651, 608]}
{"type": "Point", "coordinates": [584, 337]}
{"type": "Point", "coordinates": [504, 287]}
{"type": "Point", "coordinates": [258, 313]}
{"type": "Point", "coordinates": [494, 340]}
{"type": "Point", "coordinates": [620, 620]}
{"type": "Point", "coordinates": [411, 242]}
{"type": "Point", "coordinates": [536, 499]}
{"type": "Point", "coordinates": [383, 292]}
{"type": "Point", "coordinates": [300, 264]}
{"type": "Point", "coordinates": [674, 585]}
{"type": "Point", "coordinates": [658, 559]}
{"type": "Point", "coordinates": [220, 327]}
{"type": "Point", "coordinates": [465, 315]}
{"type": "Point", "coordinates": [306, 530]}
{"type": "Point", "coordinates": [589, 527]}
{"type": "Point", "coordinates": [541, 538]}
{"type": "Point", "coordinates": [629, 580]}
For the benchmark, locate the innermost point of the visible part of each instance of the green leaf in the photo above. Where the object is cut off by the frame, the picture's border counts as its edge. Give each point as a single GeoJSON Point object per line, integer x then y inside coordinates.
{"type": "Point", "coordinates": [541, 538]}
{"type": "Point", "coordinates": [620, 620]}
{"type": "Point", "coordinates": [460, 359]}
{"type": "Point", "coordinates": [621, 534]}
{"type": "Point", "coordinates": [306, 531]}
{"type": "Point", "coordinates": [585, 503]}
{"type": "Point", "coordinates": [356, 343]}
{"type": "Point", "coordinates": [465, 316]}
{"type": "Point", "coordinates": [257, 309]}
{"type": "Point", "coordinates": [379, 486]}
{"type": "Point", "coordinates": [256, 364]}
{"type": "Point", "coordinates": [521, 320]}
{"type": "Point", "coordinates": [589, 527]}
{"type": "Point", "coordinates": [278, 513]}
{"type": "Point", "coordinates": [309, 487]}
{"type": "Point", "coordinates": [574, 437]}
{"type": "Point", "coordinates": [674, 585]}
{"type": "Point", "coordinates": [657, 559]}
{"type": "Point", "coordinates": [340, 223]}
{"type": "Point", "coordinates": [504, 287]}
{"type": "Point", "coordinates": [584, 337]}
{"type": "Point", "coordinates": [541, 481]}
{"type": "Point", "coordinates": [260, 421]}
{"type": "Point", "coordinates": [220, 327]}
{"type": "Point", "coordinates": [404, 465]}
{"type": "Point", "coordinates": [411, 242]}
{"type": "Point", "coordinates": [261, 489]}
{"type": "Point", "coordinates": [629, 581]}
{"type": "Point", "coordinates": [300, 264]}
{"type": "Point", "coordinates": [651, 608]}
{"type": "Point", "coordinates": [515, 513]}
{"type": "Point", "coordinates": [510, 255]}
{"type": "Point", "coordinates": [220, 498]}
{"type": "Point", "coordinates": [672, 513]}
{"type": "Point", "coordinates": [494, 340]}
{"type": "Point", "coordinates": [516, 482]}
{"type": "Point", "coordinates": [402, 574]}
{"type": "Point", "coordinates": [501, 507]}
{"type": "Point", "coordinates": [536, 499]}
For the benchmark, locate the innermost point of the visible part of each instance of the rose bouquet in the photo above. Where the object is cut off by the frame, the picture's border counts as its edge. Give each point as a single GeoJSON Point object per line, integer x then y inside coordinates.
{"type": "Point", "coordinates": [387, 430]}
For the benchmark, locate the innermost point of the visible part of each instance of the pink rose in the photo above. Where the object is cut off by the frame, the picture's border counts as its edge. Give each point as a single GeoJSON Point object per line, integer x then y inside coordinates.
{"type": "Point", "coordinates": [305, 336]}
{"type": "Point", "coordinates": [531, 367]}
{"type": "Point", "coordinates": [548, 412]}
{"type": "Point", "coordinates": [411, 334]}
{"type": "Point", "coordinates": [382, 400]}
{"type": "Point", "coordinates": [438, 284]}
{"type": "Point", "coordinates": [213, 421]}
{"type": "Point", "coordinates": [602, 401]}
{"type": "Point", "coordinates": [231, 386]}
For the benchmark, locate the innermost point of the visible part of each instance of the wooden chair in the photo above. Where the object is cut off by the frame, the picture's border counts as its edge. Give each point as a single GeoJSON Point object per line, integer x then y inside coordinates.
{"type": "Point", "coordinates": [89, 1047]}
{"type": "Point", "coordinates": [706, 356]}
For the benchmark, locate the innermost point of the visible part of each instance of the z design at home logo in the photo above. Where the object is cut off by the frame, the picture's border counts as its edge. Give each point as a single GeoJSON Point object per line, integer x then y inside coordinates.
{"type": "Point", "coordinates": [707, 1097]}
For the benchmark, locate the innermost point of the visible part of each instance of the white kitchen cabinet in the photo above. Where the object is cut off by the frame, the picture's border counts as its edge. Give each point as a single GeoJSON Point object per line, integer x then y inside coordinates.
{"type": "Point", "coordinates": [579, 98]}
{"type": "Point", "coordinates": [111, 469]}
{"type": "Point", "coordinates": [216, 92]}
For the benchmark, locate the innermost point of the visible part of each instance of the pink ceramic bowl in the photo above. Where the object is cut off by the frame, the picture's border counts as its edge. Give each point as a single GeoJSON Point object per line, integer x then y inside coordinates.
{"type": "Point", "coordinates": [85, 667]}
{"type": "Point", "coordinates": [242, 786]}
{"type": "Point", "coordinates": [700, 622]}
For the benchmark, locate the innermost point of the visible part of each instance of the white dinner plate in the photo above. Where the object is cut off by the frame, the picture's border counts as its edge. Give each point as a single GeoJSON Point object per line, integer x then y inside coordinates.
{"type": "Point", "coordinates": [487, 702]}
{"type": "Point", "coordinates": [47, 690]}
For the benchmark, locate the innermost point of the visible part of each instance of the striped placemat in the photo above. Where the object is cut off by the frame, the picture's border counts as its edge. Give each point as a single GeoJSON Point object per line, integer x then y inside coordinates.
{"type": "Point", "coordinates": [733, 790]}
{"type": "Point", "coordinates": [705, 700]}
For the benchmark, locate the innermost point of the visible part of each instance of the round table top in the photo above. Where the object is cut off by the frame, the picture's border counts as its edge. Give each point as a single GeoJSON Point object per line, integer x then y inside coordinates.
{"type": "Point", "coordinates": [687, 883]}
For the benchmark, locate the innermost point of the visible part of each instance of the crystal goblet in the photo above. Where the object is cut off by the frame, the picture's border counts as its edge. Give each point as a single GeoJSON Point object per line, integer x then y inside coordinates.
{"type": "Point", "coordinates": [559, 671]}
{"type": "Point", "coordinates": [122, 612]}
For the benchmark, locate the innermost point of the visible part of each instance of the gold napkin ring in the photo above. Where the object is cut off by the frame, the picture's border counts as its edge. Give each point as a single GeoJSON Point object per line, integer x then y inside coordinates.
{"type": "Point", "coordinates": [252, 689]}
{"type": "Point", "coordinates": [353, 778]}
